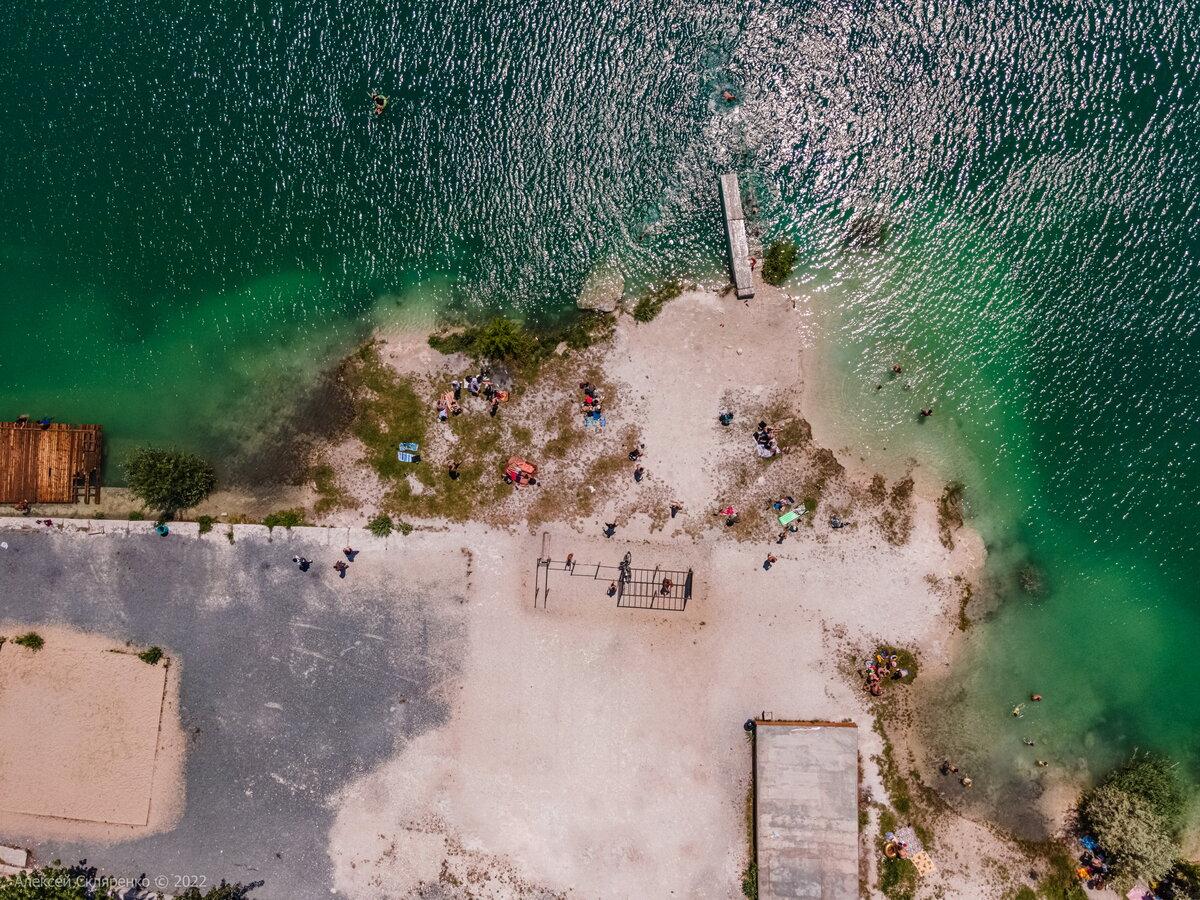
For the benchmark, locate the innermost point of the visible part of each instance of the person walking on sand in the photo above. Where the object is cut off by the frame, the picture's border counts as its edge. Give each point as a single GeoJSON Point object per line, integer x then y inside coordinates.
{"type": "Point", "coordinates": [350, 553]}
{"type": "Point", "coordinates": [612, 589]}
{"type": "Point", "coordinates": [676, 506]}
{"type": "Point", "coordinates": [638, 473]}
{"type": "Point", "coordinates": [570, 563]}
{"type": "Point", "coordinates": [610, 528]}
{"type": "Point", "coordinates": [341, 568]}
{"type": "Point", "coordinates": [770, 561]}
{"type": "Point", "coordinates": [302, 562]}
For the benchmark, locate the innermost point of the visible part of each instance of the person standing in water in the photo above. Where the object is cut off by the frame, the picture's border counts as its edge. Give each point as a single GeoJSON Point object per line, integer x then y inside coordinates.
{"type": "Point", "coordinates": [380, 102]}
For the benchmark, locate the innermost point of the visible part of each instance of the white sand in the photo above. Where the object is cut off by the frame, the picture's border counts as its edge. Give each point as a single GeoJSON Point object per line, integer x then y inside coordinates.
{"type": "Point", "coordinates": [600, 751]}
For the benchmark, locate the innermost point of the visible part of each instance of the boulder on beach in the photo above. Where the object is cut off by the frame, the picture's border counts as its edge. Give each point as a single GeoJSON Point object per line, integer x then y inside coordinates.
{"type": "Point", "coordinates": [603, 290]}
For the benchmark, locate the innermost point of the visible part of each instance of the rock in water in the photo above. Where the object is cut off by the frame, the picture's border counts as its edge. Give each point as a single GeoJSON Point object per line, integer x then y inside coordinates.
{"type": "Point", "coordinates": [603, 290]}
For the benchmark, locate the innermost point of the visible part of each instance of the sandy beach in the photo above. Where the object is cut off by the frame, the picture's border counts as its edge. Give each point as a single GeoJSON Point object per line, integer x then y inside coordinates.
{"type": "Point", "coordinates": [596, 750]}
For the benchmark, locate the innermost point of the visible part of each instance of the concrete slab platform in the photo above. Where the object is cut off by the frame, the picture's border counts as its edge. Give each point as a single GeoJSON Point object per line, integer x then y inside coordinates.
{"type": "Point", "coordinates": [806, 809]}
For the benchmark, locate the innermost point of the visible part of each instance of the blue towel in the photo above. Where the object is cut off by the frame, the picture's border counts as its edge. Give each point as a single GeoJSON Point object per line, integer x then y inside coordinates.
{"type": "Point", "coordinates": [410, 446]}
{"type": "Point", "coordinates": [405, 457]}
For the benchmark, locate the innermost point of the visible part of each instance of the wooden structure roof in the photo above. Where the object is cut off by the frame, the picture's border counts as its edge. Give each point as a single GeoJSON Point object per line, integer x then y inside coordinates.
{"type": "Point", "coordinates": [55, 464]}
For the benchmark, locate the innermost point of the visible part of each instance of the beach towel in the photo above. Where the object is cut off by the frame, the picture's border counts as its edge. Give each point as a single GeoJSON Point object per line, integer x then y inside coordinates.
{"type": "Point", "coordinates": [405, 456]}
{"type": "Point", "coordinates": [410, 446]}
{"type": "Point", "coordinates": [789, 517]}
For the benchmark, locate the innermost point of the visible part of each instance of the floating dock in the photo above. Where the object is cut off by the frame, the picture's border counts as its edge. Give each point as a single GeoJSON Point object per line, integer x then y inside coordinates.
{"type": "Point", "coordinates": [806, 809]}
{"type": "Point", "coordinates": [735, 235]}
{"type": "Point", "coordinates": [55, 464]}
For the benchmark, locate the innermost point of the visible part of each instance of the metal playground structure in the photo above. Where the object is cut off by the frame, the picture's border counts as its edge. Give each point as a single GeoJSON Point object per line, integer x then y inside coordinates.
{"type": "Point", "coordinates": [634, 588]}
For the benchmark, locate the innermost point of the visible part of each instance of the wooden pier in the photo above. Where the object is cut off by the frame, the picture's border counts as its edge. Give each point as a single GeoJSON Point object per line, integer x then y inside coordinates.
{"type": "Point", "coordinates": [55, 464]}
{"type": "Point", "coordinates": [735, 234]}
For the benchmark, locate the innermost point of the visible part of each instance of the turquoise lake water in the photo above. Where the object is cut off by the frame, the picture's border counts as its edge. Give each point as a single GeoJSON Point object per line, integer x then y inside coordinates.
{"type": "Point", "coordinates": [200, 212]}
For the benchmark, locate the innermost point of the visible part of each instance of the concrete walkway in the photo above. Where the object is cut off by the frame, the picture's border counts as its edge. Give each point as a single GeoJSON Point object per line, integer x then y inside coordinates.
{"type": "Point", "coordinates": [293, 684]}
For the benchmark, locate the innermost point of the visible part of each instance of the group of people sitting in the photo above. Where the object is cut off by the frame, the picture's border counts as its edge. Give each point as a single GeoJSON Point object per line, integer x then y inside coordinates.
{"type": "Point", "coordinates": [1093, 868]}
{"type": "Point", "coordinates": [591, 401]}
{"type": "Point", "coordinates": [878, 669]}
{"type": "Point", "coordinates": [476, 385]}
{"type": "Point", "coordinates": [764, 436]}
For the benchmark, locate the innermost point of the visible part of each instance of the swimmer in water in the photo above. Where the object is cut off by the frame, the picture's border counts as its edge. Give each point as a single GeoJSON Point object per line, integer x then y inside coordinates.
{"type": "Point", "coordinates": [380, 102]}
{"type": "Point", "coordinates": [728, 96]}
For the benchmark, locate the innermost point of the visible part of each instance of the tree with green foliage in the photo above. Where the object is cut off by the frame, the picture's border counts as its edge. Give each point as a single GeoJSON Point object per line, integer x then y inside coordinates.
{"type": "Point", "coordinates": [1138, 841]}
{"type": "Point", "coordinates": [500, 340]}
{"type": "Point", "coordinates": [84, 882]}
{"type": "Point", "coordinates": [1181, 883]}
{"type": "Point", "coordinates": [779, 261]}
{"type": "Point", "coordinates": [1154, 780]}
{"type": "Point", "coordinates": [168, 480]}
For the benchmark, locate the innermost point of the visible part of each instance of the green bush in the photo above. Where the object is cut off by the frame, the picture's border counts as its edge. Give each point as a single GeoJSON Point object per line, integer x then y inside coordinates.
{"type": "Point", "coordinates": [31, 639]}
{"type": "Point", "coordinates": [151, 656]}
{"type": "Point", "coordinates": [168, 480]}
{"type": "Point", "coordinates": [205, 523]}
{"type": "Point", "coordinates": [750, 880]}
{"type": "Point", "coordinates": [1137, 840]}
{"type": "Point", "coordinates": [84, 882]}
{"type": "Point", "coordinates": [381, 525]}
{"type": "Point", "coordinates": [404, 528]}
{"type": "Point", "coordinates": [285, 518]}
{"type": "Point", "coordinates": [136, 516]}
{"type": "Point", "coordinates": [500, 340]}
{"type": "Point", "coordinates": [651, 304]}
{"type": "Point", "coordinates": [779, 261]}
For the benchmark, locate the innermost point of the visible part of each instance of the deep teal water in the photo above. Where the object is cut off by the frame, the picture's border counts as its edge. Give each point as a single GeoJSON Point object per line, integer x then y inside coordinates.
{"type": "Point", "coordinates": [199, 211]}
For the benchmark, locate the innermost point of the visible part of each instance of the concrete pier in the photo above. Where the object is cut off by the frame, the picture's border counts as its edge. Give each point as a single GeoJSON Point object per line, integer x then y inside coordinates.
{"type": "Point", "coordinates": [806, 809]}
{"type": "Point", "coordinates": [735, 234]}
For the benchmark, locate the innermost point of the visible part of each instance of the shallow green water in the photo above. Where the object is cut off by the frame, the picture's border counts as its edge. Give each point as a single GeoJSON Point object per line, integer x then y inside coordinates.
{"type": "Point", "coordinates": [200, 211]}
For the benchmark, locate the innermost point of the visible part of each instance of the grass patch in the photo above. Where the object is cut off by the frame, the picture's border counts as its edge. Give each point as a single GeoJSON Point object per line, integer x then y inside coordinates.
{"type": "Point", "coordinates": [1058, 881]}
{"type": "Point", "coordinates": [779, 261]}
{"type": "Point", "coordinates": [950, 513]}
{"type": "Point", "coordinates": [651, 304]}
{"type": "Point", "coordinates": [965, 594]}
{"type": "Point", "coordinates": [151, 656]}
{"type": "Point", "coordinates": [205, 523]}
{"type": "Point", "coordinates": [404, 528]}
{"type": "Point", "coordinates": [136, 516]}
{"type": "Point", "coordinates": [285, 518]}
{"type": "Point", "coordinates": [896, 519]}
{"type": "Point", "coordinates": [388, 412]}
{"type": "Point", "coordinates": [30, 640]}
{"type": "Point", "coordinates": [750, 873]}
{"type": "Point", "coordinates": [330, 495]}
{"type": "Point", "coordinates": [906, 659]}
{"type": "Point", "coordinates": [381, 525]}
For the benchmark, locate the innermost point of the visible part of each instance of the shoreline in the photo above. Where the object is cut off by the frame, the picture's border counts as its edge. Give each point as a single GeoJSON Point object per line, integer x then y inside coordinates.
{"type": "Point", "coordinates": [733, 356]}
